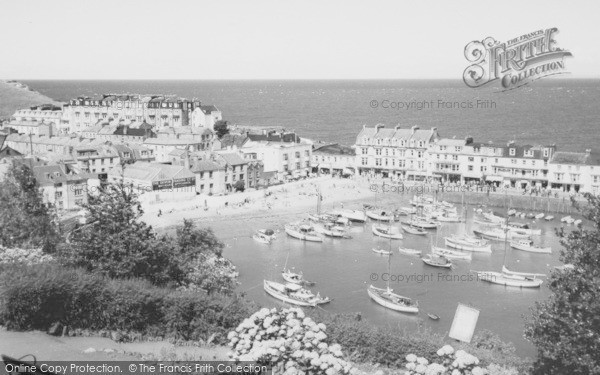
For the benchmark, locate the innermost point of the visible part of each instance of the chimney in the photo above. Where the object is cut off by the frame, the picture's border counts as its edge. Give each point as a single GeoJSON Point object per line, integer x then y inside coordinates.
{"type": "Point", "coordinates": [125, 129]}
{"type": "Point", "coordinates": [397, 127]}
{"type": "Point", "coordinates": [588, 151]}
{"type": "Point", "coordinates": [379, 126]}
{"type": "Point", "coordinates": [414, 129]}
{"type": "Point", "coordinates": [469, 140]}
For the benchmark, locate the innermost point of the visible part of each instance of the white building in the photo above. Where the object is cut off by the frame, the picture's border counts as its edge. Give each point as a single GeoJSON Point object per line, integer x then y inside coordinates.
{"type": "Point", "coordinates": [284, 159]}
{"type": "Point", "coordinates": [396, 152]}
{"type": "Point", "coordinates": [575, 171]}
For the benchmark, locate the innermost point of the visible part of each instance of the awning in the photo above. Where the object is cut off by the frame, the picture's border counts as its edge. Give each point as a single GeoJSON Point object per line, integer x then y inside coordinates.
{"type": "Point", "coordinates": [494, 178]}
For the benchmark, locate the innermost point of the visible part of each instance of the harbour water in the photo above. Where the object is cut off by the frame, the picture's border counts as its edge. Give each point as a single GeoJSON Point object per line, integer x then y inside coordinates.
{"type": "Point", "coordinates": [561, 111]}
{"type": "Point", "coordinates": [344, 268]}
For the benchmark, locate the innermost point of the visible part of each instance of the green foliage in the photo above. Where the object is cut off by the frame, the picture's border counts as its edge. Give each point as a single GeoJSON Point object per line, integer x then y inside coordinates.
{"type": "Point", "coordinates": [566, 327]}
{"type": "Point", "coordinates": [34, 297]}
{"type": "Point", "coordinates": [221, 128]}
{"type": "Point", "coordinates": [367, 343]}
{"type": "Point", "coordinates": [25, 220]}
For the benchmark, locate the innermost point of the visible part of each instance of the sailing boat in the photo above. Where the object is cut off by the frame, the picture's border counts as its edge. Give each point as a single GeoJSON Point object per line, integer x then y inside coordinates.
{"type": "Point", "coordinates": [515, 279]}
{"type": "Point", "coordinates": [387, 298]}
{"type": "Point", "coordinates": [436, 260]}
{"type": "Point", "coordinates": [387, 231]}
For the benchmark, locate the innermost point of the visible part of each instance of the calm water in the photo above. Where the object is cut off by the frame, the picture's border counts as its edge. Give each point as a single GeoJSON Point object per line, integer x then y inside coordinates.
{"type": "Point", "coordinates": [564, 112]}
{"type": "Point", "coordinates": [342, 269]}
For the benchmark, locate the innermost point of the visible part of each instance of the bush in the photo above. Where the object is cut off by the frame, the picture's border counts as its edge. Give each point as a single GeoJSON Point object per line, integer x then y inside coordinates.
{"type": "Point", "coordinates": [35, 297]}
{"type": "Point", "coordinates": [367, 343]}
{"type": "Point", "coordinates": [289, 341]}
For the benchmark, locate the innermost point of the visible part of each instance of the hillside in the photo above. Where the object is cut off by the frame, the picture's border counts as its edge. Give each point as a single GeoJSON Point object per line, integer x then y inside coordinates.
{"type": "Point", "coordinates": [13, 98]}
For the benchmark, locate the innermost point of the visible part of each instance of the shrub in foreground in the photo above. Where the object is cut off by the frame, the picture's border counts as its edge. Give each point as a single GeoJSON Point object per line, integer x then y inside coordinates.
{"type": "Point", "coordinates": [289, 341]}
{"type": "Point", "coordinates": [35, 297]}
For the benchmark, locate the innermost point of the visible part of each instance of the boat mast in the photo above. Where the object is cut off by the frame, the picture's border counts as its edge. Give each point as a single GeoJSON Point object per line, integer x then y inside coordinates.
{"type": "Point", "coordinates": [505, 231]}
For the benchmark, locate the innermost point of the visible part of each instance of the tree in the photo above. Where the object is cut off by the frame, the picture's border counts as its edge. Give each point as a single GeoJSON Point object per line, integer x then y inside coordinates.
{"type": "Point", "coordinates": [116, 243]}
{"type": "Point", "coordinates": [566, 327]}
{"type": "Point", "coordinates": [201, 260]}
{"type": "Point", "coordinates": [25, 220]}
{"type": "Point", "coordinates": [221, 128]}
{"type": "Point", "coordinates": [239, 185]}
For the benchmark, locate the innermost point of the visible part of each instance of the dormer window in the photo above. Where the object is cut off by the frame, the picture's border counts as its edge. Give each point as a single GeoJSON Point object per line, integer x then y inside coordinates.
{"type": "Point", "coordinates": [511, 152]}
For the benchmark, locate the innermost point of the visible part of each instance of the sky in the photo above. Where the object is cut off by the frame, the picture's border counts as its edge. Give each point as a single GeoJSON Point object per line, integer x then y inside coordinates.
{"type": "Point", "coordinates": [269, 39]}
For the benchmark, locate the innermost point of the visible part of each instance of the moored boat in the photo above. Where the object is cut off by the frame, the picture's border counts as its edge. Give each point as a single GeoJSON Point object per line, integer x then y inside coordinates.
{"type": "Point", "coordinates": [382, 251]}
{"type": "Point", "coordinates": [421, 223]}
{"type": "Point", "coordinates": [264, 236]}
{"type": "Point", "coordinates": [524, 274]}
{"type": "Point", "coordinates": [331, 230]}
{"type": "Point", "coordinates": [527, 245]}
{"type": "Point", "coordinates": [353, 215]}
{"type": "Point", "coordinates": [380, 215]}
{"type": "Point", "coordinates": [295, 278]}
{"type": "Point", "coordinates": [404, 250]}
{"type": "Point", "coordinates": [412, 230]}
{"type": "Point", "coordinates": [539, 216]}
{"type": "Point", "coordinates": [435, 260]}
{"type": "Point", "coordinates": [387, 231]}
{"type": "Point", "coordinates": [303, 232]}
{"type": "Point", "coordinates": [498, 234]}
{"type": "Point", "coordinates": [387, 298]}
{"type": "Point", "coordinates": [289, 293]}
{"type": "Point", "coordinates": [549, 218]}
{"type": "Point", "coordinates": [467, 243]}
{"type": "Point", "coordinates": [509, 280]}
{"type": "Point", "coordinates": [450, 254]}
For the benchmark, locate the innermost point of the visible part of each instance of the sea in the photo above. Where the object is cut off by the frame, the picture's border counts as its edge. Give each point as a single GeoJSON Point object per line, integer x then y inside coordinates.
{"type": "Point", "coordinates": [564, 112]}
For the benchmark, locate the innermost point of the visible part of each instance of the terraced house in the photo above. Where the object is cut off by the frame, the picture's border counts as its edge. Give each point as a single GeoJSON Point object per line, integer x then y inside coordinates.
{"type": "Point", "coordinates": [575, 171]}
{"type": "Point", "coordinates": [395, 152]}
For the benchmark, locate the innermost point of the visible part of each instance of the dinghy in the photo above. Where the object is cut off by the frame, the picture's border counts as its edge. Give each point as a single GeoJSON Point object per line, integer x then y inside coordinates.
{"type": "Point", "coordinates": [353, 215]}
{"type": "Point", "coordinates": [381, 251]}
{"type": "Point", "coordinates": [549, 218]}
{"type": "Point", "coordinates": [539, 216]}
{"type": "Point", "coordinates": [406, 251]}
{"type": "Point", "coordinates": [264, 236]}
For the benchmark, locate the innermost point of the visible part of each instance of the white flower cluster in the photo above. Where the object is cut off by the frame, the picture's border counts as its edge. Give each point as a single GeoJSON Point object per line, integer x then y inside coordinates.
{"type": "Point", "coordinates": [452, 363]}
{"type": "Point", "coordinates": [289, 340]}
{"type": "Point", "coordinates": [25, 256]}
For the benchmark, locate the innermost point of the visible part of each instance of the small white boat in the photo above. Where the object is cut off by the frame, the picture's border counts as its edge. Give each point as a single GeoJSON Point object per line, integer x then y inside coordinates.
{"type": "Point", "coordinates": [539, 216]}
{"type": "Point", "coordinates": [512, 212]}
{"type": "Point", "coordinates": [408, 210]}
{"type": "Point", "coordinates": [303, 232]}
{"type": "Point", "coordinates": [386, 231]}
{"type": "Point", "coordinates": [353, 215]}
{"type": "Point", "coordinates": [413, 230]}
{"type": "Point", "coordinates": [290, 293]}
{"type": "Point", "coordinates": [381, 251]}
{"type": "Point", "coordinates": [422, 223]}
{"type": "Point", "coordinates": [331, 230]}
{"type": "Point", "coordinates": [509, 280]}
{"type": "Point", "coordinates": [295, 278]}
{"type": "Point", "coordinates": [406, 251]}
{"type": "Point", "coordinates": [577, 222]}
{"type": "Point", "coordinates": [522, 216]}
{"type": "Point", "coordinates": [567, 220]}
{"type": "Point", "coordinates": [522, 229]}
{"type": "Point", "coordinates": [531, 215]}
{"type": "Point", "coordinates": [467, 243]}
{"type": "Point", "coordinates": [523, 274]}
{"type": "Point", "coordinates": [527, 245]}
{"type": "Point", "coordinates": [486, 223]}
{"type": "Point", "coordinates": [450, 254]}
{"type": "Point", "coordinates": [493, 217]}
{"type": "Point", "coordinates": [449, 218]}
{"type": "Point", "coordinates": [549, 218]}
{"type": "Point", "coordinates": [387, 298]}
{"type": "Point", "coordinates": [435, 260]}
{"type": "Point", "coordinates": [498, 234]}
{"type": "Point", "coordinates": [264, 236]}
{"type": "Point", "coordinates": [380, 215]}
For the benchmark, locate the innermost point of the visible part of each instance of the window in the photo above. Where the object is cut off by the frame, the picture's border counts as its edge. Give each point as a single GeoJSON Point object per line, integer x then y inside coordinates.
{"type": "Point", "coordinates": [201, 175]}
{"type": "Point", "coordinates": [470, 168]}
{"type": "Point", "coordinates": [307, 153]}
{"type": "Point", "coordinates": [512, 152]}
{"type": "Point", "coordinates": [471, 159]}
{"type": "Point", "coordinates": [78, 191]}
{"type": "Point", "coordinates": [364, 161]}
{"type": "Point", "coordinates": [210, 175]}
{"type": "Point", "coordinates": [285, 157]}
{"type": "Point", "coordinates": [298, 165]}
{"type": "Point", "coordinates": [297, 154]}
